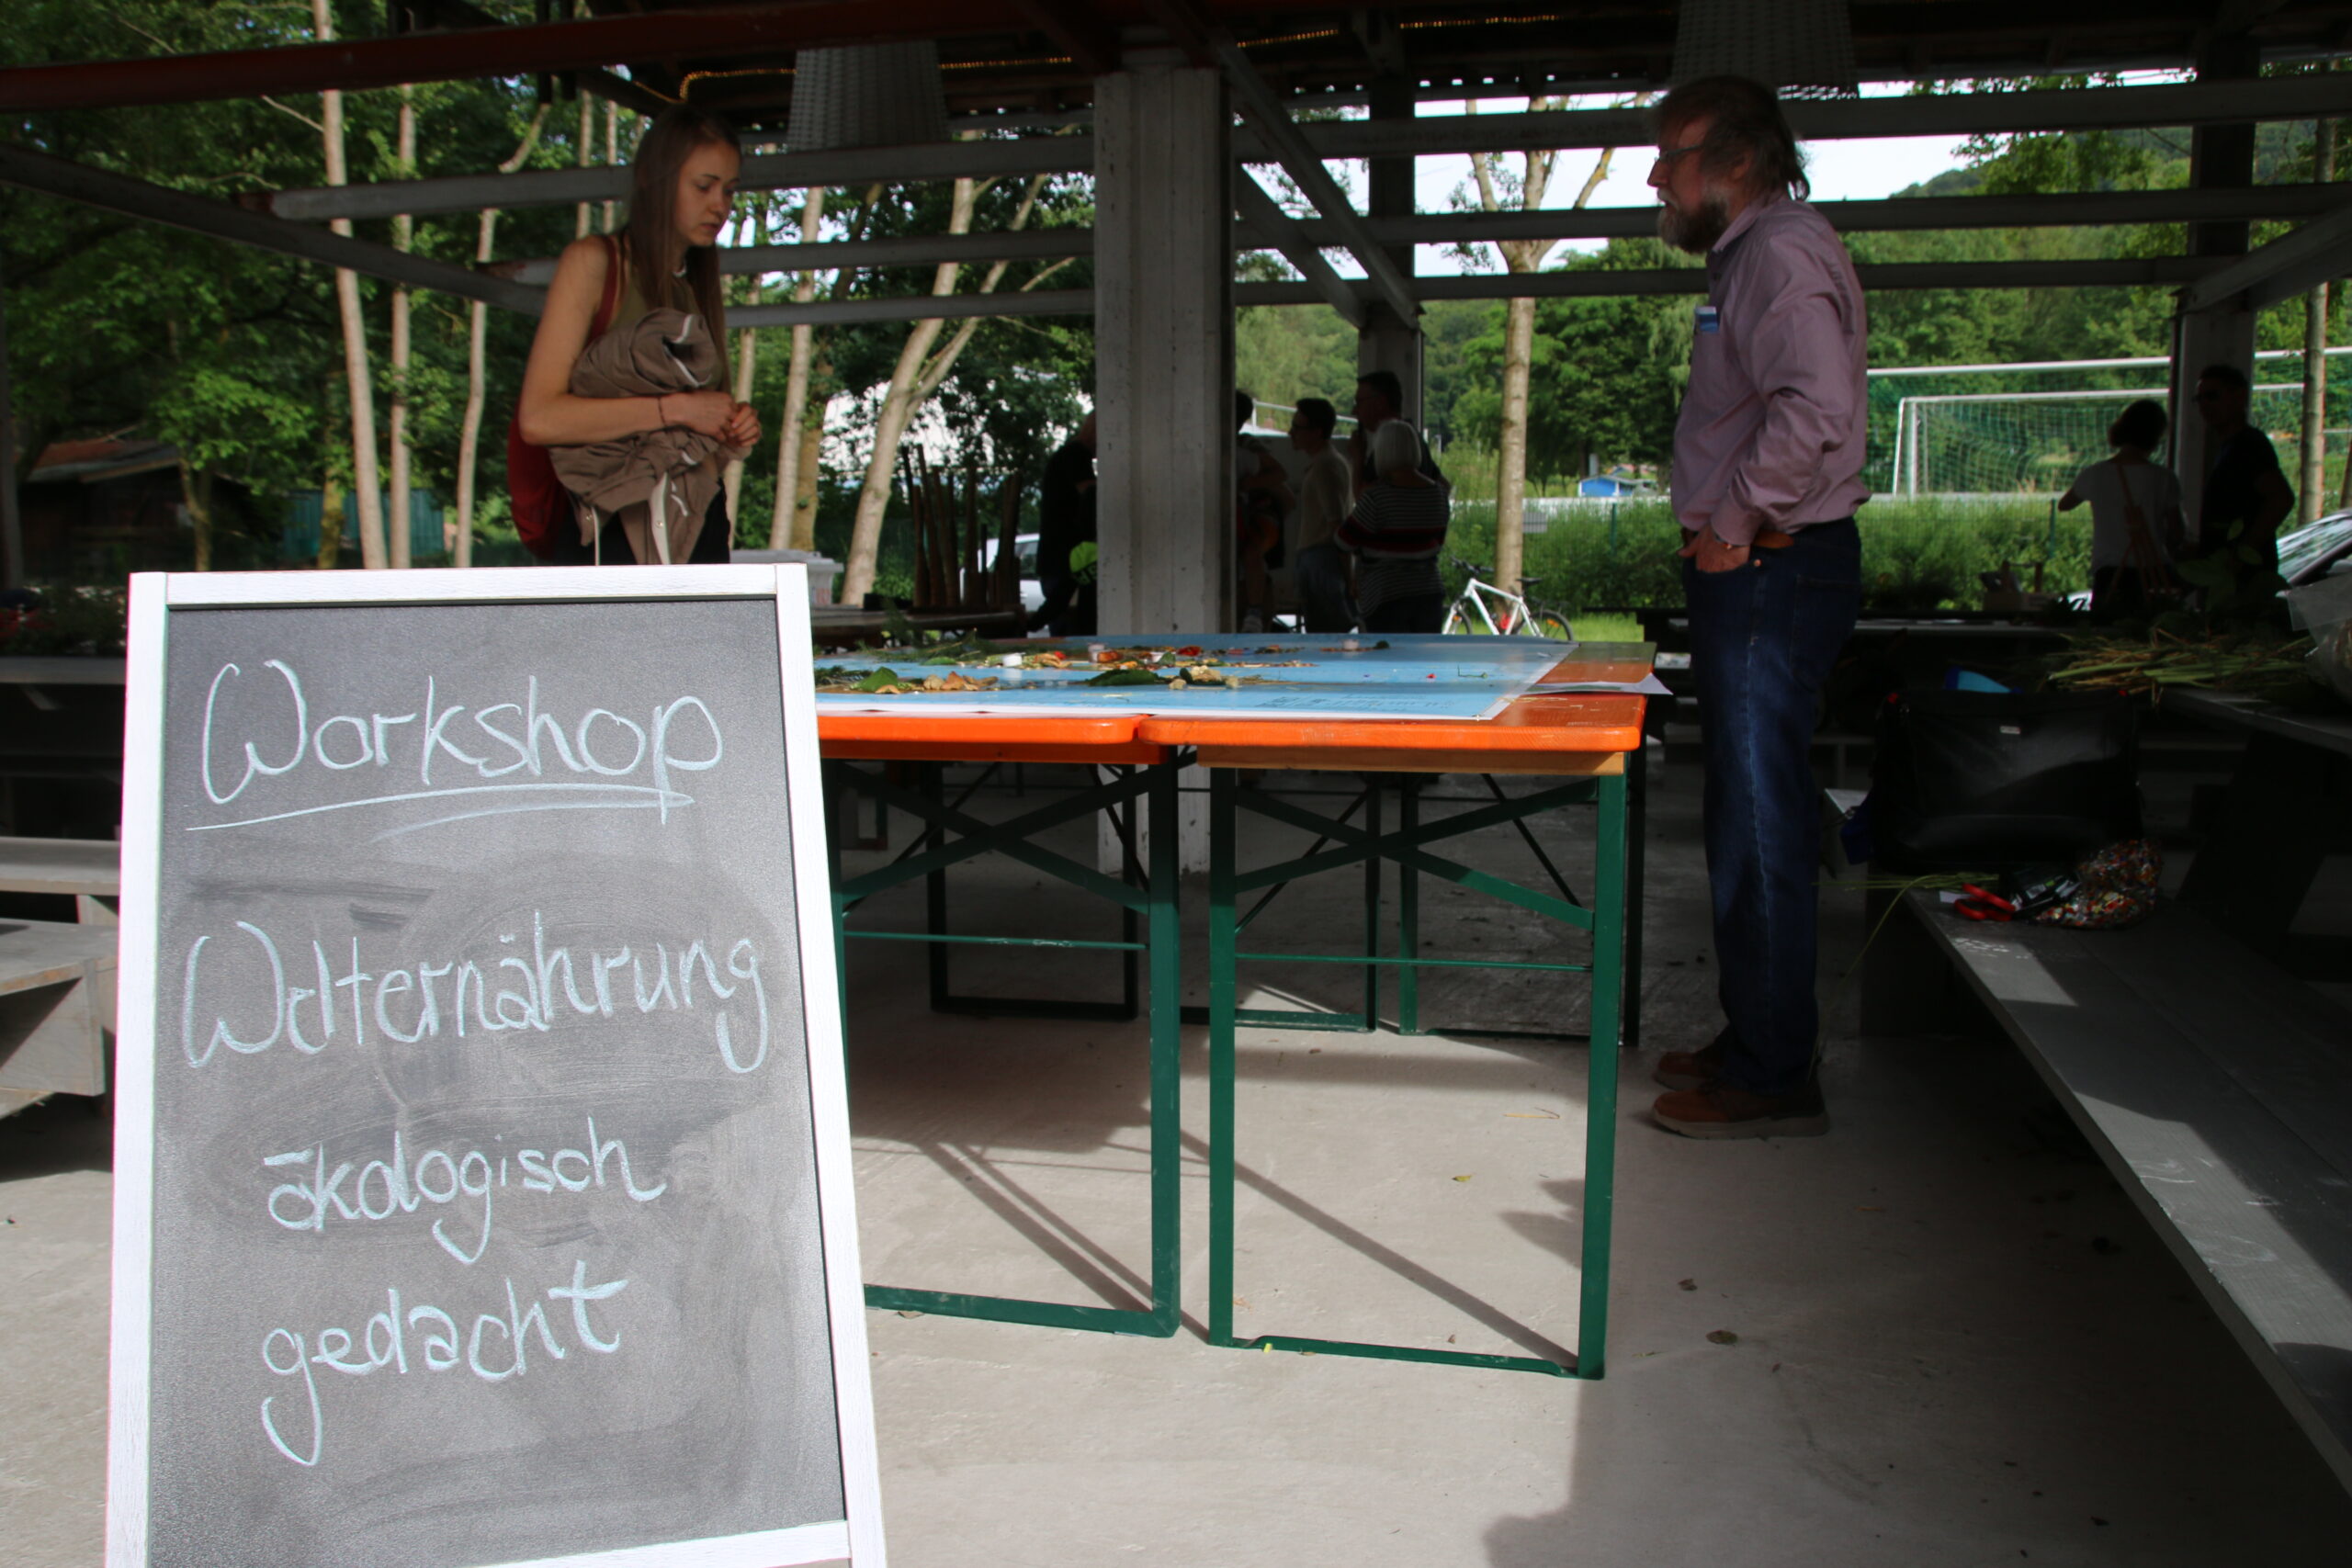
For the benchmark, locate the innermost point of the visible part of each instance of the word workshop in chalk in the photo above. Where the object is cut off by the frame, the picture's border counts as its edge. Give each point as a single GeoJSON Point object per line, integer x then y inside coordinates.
{"type": "Point", "coordinates": [1210, 782]}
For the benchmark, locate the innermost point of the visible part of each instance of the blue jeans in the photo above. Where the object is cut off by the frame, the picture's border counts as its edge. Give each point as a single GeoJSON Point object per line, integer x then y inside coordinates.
{"type": "Point", "coordinates": [1321, 576]}
{"type": "Point", "coordinates": [1763, 639]}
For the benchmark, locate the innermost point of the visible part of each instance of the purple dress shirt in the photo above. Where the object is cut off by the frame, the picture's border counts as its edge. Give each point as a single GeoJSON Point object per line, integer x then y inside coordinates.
{"type": "Point", "coordinates": [1771, 431]}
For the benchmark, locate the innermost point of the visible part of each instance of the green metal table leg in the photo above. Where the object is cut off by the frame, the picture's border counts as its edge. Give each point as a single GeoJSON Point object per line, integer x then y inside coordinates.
{"type": "Point", "coordinates": [1162, 910]}
{"type": "Point", "coordinates": [1372, 909]}
{"type": "Point", "coordinates": [1408, 918]}
{"type": "Point", "coordinates": [1222, 981]}
{"type": "Point", "coordinates": [1167, 1051]}
{"type": "Point", "coordinates": [1605, 919]}
{"type": "Point", "coordinates": [1612, 895]}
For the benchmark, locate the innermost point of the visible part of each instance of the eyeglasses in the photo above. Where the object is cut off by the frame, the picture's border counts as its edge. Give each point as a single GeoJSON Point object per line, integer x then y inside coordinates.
{"type": "Point", "coordinates": [1666, 155]}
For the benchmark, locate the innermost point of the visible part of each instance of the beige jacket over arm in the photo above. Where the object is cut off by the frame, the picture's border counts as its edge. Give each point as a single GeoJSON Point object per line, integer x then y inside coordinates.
{"type": "Point", "coordinates": [673, 469]}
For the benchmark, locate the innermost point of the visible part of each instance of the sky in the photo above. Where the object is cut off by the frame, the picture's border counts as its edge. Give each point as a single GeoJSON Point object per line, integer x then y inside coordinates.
{"type": "Point", "coordinates": [1841, 171]}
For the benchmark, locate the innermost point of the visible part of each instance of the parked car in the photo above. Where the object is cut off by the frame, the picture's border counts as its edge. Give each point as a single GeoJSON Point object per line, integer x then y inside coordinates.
{"type": "Point", "coordinates": [2317, 549]}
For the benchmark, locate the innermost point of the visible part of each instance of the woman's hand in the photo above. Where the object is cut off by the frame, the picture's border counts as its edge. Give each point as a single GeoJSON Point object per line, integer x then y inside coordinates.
{"type": "Point", "coordinates": [742, 432]}
{"type": "Point", "coordinates": [708, 414]}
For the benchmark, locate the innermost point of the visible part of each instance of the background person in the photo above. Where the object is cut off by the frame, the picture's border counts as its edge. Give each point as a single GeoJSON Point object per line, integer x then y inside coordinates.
{"type": "Point", "coordinates": [682, 193]}
{"type": "Point", "coordinates": [1768, 460]}
{"type": "Point", "coordinates": [1396, 529]}
{"type": "Point", "coordinates": [1380, 397]}
{"type": "Point", "coordinates": [1263, 497]}
{"type": "Point", "coordinates": [2245, 496]}
{"type": "Point", "coordinates": [1064, 521]}
{"type": "Point", "coordinates": [2135, 513]}
{"type": "Point", "coordinates": [1326, 492]}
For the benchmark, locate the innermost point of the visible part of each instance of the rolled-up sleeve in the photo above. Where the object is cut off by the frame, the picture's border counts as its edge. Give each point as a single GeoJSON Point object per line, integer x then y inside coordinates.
{"type": "Point", "coordinates": [1793, 339]}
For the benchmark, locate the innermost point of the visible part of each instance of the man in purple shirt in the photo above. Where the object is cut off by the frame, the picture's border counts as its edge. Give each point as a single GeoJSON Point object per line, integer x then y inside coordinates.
{"type": "Point", "coordinates": [1768, 459]}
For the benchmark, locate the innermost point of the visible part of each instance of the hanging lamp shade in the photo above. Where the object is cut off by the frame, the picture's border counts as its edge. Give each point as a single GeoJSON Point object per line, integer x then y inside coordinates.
{"type": "Point", "coordinates": [1802, 49]}
{"type": "Point", "coordinates": [881, 95]}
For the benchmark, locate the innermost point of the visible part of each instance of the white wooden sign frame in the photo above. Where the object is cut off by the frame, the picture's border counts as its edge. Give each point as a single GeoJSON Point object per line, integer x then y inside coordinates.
{"type": "Point", "coordinates": [154, 596]}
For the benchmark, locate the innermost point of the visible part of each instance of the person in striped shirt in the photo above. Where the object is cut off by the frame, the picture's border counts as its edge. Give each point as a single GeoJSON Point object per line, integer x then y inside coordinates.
{"type": "Point", "coordinates": [1394, 532]}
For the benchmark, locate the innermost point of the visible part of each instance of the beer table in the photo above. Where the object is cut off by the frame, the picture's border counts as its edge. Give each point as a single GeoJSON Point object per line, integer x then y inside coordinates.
{"type": "Point", "coordinates": [1137, 771]}
{"type": "Point", "coordinates": [1579, 741]}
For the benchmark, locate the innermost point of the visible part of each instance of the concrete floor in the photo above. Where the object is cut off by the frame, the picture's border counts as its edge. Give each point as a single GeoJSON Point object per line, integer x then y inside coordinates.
{"type": "Point", "coordinates": [1957, 1344]}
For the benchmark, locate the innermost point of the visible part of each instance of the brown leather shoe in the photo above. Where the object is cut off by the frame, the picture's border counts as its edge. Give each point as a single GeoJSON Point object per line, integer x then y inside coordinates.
{"type": "Point", "coordinates": [1689, 1070]}
{"type": "Point", "coordinates": [1720, 1110]}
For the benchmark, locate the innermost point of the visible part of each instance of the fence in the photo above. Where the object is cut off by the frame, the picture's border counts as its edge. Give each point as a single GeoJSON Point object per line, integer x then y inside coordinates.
{"type": "Point", "coordinates": [300, 538]}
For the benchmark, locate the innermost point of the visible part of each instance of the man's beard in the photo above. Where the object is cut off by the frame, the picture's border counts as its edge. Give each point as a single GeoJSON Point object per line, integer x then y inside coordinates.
{"type": "Point", "coordinates": [1696, 228]}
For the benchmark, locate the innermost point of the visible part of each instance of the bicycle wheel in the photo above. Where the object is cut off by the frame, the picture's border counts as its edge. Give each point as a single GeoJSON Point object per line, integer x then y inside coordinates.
{"type": "Point", "coordinates": [1546, 623]}
{"type": "Point", "coordinates": [1457, 622]}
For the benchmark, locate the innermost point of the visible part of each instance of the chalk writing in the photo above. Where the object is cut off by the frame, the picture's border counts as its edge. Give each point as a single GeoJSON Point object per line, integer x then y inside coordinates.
{"type": "Point", "coordinates": [491, 993]}
{"type": "Point", "coordinates": [275, 736]}
{"type": "Point", "coordinates": [386, 1189]}
{"type": "Point", "coordinates": [495, 1348]}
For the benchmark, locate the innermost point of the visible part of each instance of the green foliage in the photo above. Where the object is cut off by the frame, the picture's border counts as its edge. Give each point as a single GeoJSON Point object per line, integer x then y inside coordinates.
{"type": "Point", "coordinates": [1916, 554]}
{"type": "Point", "coordinates": [1602, 383]}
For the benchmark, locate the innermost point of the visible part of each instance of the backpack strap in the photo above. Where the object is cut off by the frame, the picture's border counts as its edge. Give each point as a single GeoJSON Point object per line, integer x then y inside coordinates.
{"type": "Point", "coordinates": [610, 304]}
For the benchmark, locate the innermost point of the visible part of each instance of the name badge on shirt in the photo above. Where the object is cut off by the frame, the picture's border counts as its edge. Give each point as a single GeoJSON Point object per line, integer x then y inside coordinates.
{"type": "Point", "coordinates": [1710, 319]}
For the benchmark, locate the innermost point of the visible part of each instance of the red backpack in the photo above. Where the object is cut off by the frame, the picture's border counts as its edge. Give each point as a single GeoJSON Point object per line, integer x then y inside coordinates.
{"type": "Point", "coordinates": [543, 507]}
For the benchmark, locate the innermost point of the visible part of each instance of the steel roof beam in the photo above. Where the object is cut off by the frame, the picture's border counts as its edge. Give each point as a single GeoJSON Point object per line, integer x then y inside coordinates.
{"type": "Point", "coordinates": [1939, 114]}
{"type": "Point", "coordinates": [1931, 212]}
{"type": "Point", "coordinates": [2148, 272]}
{"type": "Point", "coordinates": [219, 219]}
{"type": "Point", "coordinates": [2293, 264]}
{"type": "Point", "coordinates": [990, 158]}
{"type": "Point", "coordinates": [1279, 230]}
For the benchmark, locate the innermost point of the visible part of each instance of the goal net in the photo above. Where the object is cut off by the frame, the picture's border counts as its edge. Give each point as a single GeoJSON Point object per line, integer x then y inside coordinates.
{"type": "Point", "coordinates": [2028, 430]}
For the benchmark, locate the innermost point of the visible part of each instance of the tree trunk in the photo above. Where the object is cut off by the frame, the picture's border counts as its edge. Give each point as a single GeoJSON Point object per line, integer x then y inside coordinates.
{"type": "Point", "coordinates": [1519, 338]}
{"type": "Point", "coordinates": [477, 376]}
{"type": "Point", "coordinates": [329, 521]}
{"type": "Point", "coordinates": [195, 494]}
{"type": "Point", "coordinates": [784, 520]}
{"type": "Point", "coordinates": [899, 406]}
{"type": "Point", "coordinates": [918, 376]}
{"type": "Point", "coordinates": [747, 348]}
{"type": "Point", "coordinates": [367, 473]}
{"type": "Point", "coordinates": [403, 239]}
{"type": "Point", "coordinates": [805, 483]}
{"type": "Point", "coordinates": [897, 412]}
{"type": "Point", "coordinates": [587, 158]}
{"type": "Point", "coordinates": [2311, 494]}
{"type": "Point", "coordinates": [611, 158]}
{"type": "Point", "coordinates": [1510, 476]}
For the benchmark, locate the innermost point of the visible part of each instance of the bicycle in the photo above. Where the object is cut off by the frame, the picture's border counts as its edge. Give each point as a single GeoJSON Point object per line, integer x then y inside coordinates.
{"type": "Point", "coordinates": [1474, 613]}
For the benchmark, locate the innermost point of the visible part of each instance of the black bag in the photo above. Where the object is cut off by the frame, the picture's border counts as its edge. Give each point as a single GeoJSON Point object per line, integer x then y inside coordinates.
{"type": "Point", "coordinates": [1986, 781]}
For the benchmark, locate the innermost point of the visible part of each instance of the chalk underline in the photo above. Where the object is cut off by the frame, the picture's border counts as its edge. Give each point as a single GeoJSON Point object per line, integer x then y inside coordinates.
{"type": "Point", "coordinates": [662, 798]}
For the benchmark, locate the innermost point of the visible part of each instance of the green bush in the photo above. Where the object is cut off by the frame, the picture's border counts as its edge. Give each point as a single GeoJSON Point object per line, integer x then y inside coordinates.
{"type": "Point", "coordinates": [1916, 555]}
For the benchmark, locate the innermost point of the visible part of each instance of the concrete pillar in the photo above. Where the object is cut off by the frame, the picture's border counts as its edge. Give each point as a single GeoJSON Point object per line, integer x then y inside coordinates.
{"type": "Point", "coordinates": [12, 530]}
{"type": "Point", "coordinates": [1163, 365]}
{"type": "Point", "coordinates": [1163, 347]}
{"type": "Point", "coordinates": [2221, 157]}
{"type": "Point", "coordinates": [1385, 343]}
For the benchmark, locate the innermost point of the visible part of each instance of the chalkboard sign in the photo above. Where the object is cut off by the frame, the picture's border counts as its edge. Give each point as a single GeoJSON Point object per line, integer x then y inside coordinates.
{"type": "Point", "coordinates": [482, 1172]}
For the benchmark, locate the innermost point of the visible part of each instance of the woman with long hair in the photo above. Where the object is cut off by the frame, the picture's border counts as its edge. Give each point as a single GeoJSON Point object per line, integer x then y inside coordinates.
{"type": "Point", "coordinates": [681, 192]}
{"type": "Point", "coordinates": [2136, 528]}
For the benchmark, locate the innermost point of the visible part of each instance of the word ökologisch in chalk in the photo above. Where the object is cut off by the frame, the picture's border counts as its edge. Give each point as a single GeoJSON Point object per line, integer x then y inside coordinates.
{"type": "Point", "coordinates": [530, 994]}
{"type": "Point", "coordinates": [344, 1189]}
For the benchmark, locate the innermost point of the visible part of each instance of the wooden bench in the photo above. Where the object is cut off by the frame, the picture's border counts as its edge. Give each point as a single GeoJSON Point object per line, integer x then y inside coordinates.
{"type": "Point", "coordinates": [2219, 1091]}
{"type": "Point", "coordinates": [56, 1009]}
{"type": "Point", "coordinates": [57, 978]}
{"type": "Point", "coordinates": [89, 871]}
